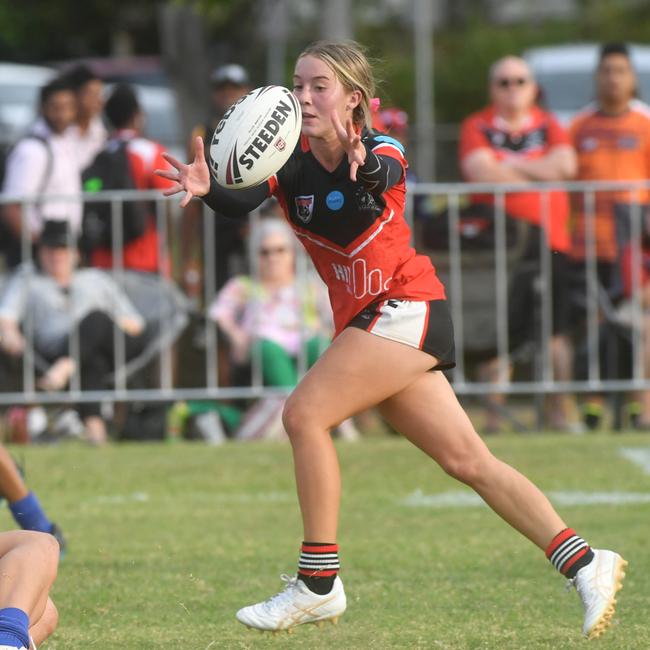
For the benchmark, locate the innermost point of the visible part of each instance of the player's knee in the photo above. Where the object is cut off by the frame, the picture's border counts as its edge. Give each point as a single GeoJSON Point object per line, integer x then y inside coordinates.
{"type": "Point", "coordinates": [293, 417]}
{"type": "Point", "coordinates": [299, 419]}
{"type": "Point", "coordinates": [466, 468]}
{"type": "Point", "coordinates": [49, 550]}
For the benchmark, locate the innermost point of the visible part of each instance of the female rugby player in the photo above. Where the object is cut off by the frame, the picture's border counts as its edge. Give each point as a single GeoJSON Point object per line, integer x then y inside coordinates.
{"type": "Point", "coordinates": [343, 192]}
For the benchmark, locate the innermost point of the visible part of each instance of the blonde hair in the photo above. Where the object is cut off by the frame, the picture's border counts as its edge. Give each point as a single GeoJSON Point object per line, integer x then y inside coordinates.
{"type": "Point", "coordinates": [348, 61]}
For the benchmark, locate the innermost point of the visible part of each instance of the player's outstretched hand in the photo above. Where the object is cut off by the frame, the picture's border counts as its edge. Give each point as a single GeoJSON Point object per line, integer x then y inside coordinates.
{"type": "Point", "coordinates": [193, 179]}
{"type": "Point", "coordinates": [351, 142]}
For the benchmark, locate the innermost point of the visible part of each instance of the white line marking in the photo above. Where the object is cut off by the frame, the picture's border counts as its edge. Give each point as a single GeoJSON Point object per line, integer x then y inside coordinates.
{"type": "Point", "coordinates": [638, 455]}
{"type": "Point", "coordinates": [463, 499]}
{"type": "Point", "coordinates": [121, 499]}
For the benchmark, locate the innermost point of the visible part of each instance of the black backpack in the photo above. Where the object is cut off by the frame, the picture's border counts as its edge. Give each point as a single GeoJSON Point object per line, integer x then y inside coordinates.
{"type": "Point", "coordinates": [111, 170]}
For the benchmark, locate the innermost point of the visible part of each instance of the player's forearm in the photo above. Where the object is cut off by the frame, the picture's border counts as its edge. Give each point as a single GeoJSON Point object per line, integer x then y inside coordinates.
{"type": "Point", "coordinates": [379, 173]}
{"type": "Point", "coordinates": [235, 203]}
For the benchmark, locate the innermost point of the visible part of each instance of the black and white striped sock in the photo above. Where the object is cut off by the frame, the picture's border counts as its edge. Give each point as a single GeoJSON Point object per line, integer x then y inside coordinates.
{"type": "Point", "coordinates": [318, 565]}
{"type": "Point", "coordinates": [568, 552]}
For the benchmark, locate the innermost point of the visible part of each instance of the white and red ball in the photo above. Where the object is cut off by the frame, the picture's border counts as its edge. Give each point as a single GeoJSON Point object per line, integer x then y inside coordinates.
{"type": "Point", "coordinates": [255, 137]}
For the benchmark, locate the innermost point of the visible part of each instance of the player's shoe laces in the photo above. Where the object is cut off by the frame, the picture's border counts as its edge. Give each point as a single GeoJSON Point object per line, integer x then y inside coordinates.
{"type": "Point", "coordinates": [295, 605]}
{"type": "Point", "coordinates": [597, 584]}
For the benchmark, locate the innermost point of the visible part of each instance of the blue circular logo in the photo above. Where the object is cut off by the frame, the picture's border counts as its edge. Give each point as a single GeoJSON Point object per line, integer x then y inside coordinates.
{"type": "Point", "coordinates": [335, 200]}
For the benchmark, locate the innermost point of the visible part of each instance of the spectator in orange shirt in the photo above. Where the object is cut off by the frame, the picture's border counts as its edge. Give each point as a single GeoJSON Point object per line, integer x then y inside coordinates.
{"type": "Point", "coordinates": [515, 141]}
{"type": "Point", "coordinates": [612, 139]}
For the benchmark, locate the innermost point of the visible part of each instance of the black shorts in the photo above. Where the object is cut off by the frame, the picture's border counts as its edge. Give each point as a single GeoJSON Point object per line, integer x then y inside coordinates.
{"type": "Point", "coordinates": [420, 324]}
{"type": "Point", "coordinates": [525, 299]}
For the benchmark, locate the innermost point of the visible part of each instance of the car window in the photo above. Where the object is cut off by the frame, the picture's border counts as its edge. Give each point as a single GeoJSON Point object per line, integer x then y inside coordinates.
{"type": "Point", "coordinates": [18, 94]}
{"type": "Point", "coordinates": [566, 91]}
{"type": "Point", "coordinates": [572, 91]}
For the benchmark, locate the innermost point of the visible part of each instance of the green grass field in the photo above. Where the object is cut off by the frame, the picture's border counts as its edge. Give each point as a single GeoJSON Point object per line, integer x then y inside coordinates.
{"type": "Point", "coordinates": [167, 541]}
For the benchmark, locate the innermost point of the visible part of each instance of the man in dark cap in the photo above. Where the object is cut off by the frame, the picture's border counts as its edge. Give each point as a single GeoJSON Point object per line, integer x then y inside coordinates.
{"type": "Point", "coordinates": [228, 83]}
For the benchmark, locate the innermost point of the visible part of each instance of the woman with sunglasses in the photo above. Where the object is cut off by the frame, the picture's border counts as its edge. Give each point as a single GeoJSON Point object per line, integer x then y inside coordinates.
{"type": "Point", "coordinates": [343, 193]}
{"type": "Point", "coordinates": [273, 316]}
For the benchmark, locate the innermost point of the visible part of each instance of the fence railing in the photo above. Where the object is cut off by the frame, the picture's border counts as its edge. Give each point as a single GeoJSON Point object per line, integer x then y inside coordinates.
{"type": "Point", "coordinates": [478, 279]}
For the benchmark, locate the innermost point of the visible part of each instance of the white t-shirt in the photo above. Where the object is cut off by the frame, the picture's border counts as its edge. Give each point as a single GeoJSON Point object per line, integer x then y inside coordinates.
{"type": "Point", "coordinates": [90, 143]}
{"type": "Point", "coordinates": [26, 169]}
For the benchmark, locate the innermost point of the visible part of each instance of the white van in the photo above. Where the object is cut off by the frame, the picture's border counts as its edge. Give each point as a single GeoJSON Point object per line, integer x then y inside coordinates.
{"type": "Point", "coordinates": [565, 73]}
{"type": "Point", "coordinates": [19, 94]}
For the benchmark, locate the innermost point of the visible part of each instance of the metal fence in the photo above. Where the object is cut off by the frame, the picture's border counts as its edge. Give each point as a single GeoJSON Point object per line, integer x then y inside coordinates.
{"type": "Point", "coordinates": [457, 264]}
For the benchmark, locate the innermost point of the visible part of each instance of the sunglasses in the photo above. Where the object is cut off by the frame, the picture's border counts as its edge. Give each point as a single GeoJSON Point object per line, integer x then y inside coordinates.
{"type": "Point", "coordinates": [514, 81]}
{"type": "Point", "coordinates": [278, 250]}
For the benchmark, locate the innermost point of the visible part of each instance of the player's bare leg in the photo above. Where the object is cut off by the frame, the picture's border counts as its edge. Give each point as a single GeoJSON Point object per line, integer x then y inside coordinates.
{"type": "Point", "coordinates": [357, 371]}
{"type": "Point", "coordinates": [445, 433]}
{"type": "Point", "coordinates": [46, 624]}
{"type": "Point", "coordinates": [28, 568]}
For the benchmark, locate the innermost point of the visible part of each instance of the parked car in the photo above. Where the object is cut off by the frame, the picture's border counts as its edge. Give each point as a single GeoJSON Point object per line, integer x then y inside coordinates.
{"type": "Point", "coordinates": [19, 89]}
{"type": "Point", "coordinates": [565, 74]}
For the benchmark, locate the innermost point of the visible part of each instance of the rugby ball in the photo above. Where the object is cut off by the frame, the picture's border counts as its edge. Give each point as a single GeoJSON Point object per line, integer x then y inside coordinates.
{"type": "Point", "coordinates": [255, 137]}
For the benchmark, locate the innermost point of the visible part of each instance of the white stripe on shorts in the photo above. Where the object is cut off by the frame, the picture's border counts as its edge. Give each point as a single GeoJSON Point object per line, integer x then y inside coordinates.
{"type": "Point", "coordinates": [405, 322]}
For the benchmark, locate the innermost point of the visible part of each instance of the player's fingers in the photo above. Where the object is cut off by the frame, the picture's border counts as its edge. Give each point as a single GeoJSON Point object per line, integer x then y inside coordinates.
{"type": "Point", "coordinates": [167, 173]}
{"type": "Point", "coordinates": [186, 199]}
{"type": "Point", "coordinates": [173, 161]}
{"type": "Point", "coordinates": [349, 127]}
{"type": "Point", "coordinates": [354, 165]}
{"type": "Point", "coordinates": [199, 149]}
{"type": "Point", "coordinates": [174, 189]}
{"type": "Point", "coordinates": [340, 129]}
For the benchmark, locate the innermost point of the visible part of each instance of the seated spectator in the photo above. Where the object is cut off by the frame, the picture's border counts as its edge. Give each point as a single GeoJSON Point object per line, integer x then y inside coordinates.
{"type": "Point", "coordinates": [514, 141]}
{"type": "Point", "coordinates": [142, 157]}
{"type": "Point", "coordinates": [88, 132]}
{"type": "Point", "coordinates": [275, 316]}
{"type": "Point", "coordinates": [41, 163]}
{"type": "Point", "coordinates": [55, 299]}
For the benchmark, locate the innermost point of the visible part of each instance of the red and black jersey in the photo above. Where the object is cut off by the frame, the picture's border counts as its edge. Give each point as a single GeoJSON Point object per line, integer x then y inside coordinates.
{"type": "Point", "coordinates": [541, 133]}
{"type": "Point", "coordinates": [354, 232]}
{"type": "Point", "coordinates": [358, 240]}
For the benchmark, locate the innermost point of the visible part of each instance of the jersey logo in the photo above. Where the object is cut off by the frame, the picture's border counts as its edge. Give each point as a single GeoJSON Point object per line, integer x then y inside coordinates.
{"type": "Point", "coordinates": [305, 207]}
{"type": "Point", "coordinates": [335, 200]}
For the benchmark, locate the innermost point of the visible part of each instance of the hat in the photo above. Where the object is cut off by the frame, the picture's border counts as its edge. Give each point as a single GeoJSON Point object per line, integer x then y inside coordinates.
{"type": "Point", "coordinates": [56, 234]}
{"type": "Point", "coordinates": [231, 73]}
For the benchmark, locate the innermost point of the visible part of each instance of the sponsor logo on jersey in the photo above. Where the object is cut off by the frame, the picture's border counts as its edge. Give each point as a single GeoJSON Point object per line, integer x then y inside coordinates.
{"type": "Point", "coordinates": [335, 200]}
{"type": "Point", "coordinates": [359, 281]}
{"type": "Point", "coordinates": [305, 207]}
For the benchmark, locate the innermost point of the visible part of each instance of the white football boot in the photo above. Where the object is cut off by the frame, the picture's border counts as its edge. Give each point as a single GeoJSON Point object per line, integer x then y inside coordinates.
{"type": "Point", "coordinates": [597, 584]}
{"type": "Point", "coordinates": [295, 605]}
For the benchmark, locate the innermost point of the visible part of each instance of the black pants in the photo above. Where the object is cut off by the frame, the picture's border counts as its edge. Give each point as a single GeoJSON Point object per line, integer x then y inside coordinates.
{"type": "Point", "coordinates": [97, 355]}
